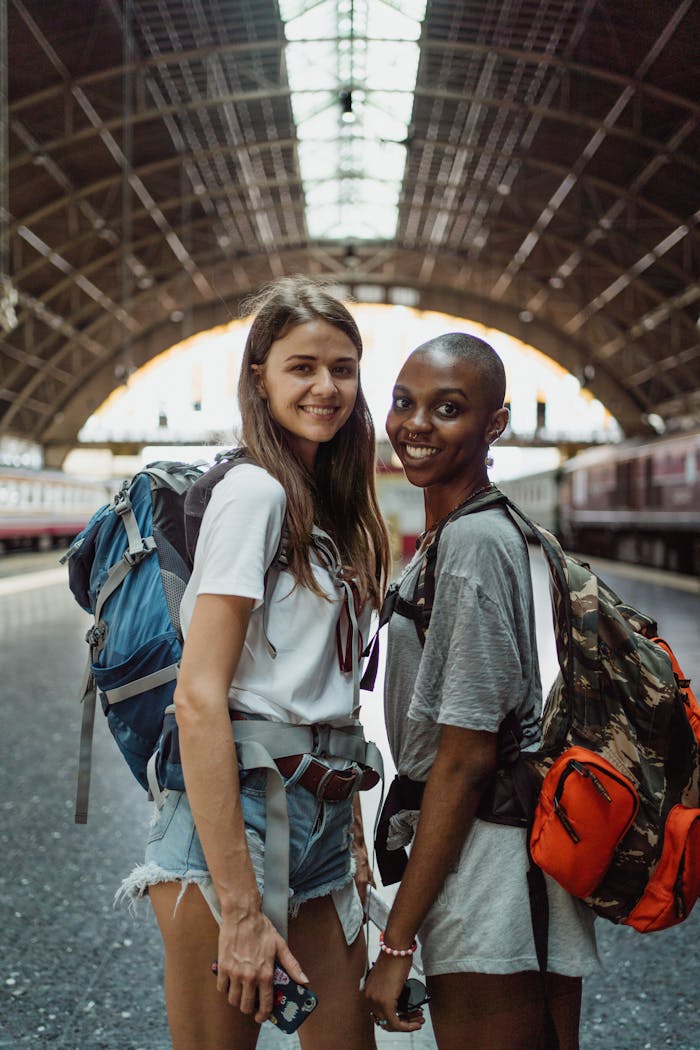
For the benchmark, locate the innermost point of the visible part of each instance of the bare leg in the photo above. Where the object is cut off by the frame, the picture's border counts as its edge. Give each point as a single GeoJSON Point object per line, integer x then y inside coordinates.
{"type": "Point", "coordinates": [334, 969]}
{"type": "Point", "coordinates": [199, 1016]}
{"type": "Point", "coordinates": [502, 1011]}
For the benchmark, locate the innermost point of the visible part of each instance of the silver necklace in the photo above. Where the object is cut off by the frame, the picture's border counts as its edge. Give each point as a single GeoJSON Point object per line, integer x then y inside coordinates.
{"type": "Point", "coordinates": [434, 528]}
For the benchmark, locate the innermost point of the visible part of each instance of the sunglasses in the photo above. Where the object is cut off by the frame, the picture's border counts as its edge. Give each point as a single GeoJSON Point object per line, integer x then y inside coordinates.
{"type": "Point", "coordinates": [413, 995]}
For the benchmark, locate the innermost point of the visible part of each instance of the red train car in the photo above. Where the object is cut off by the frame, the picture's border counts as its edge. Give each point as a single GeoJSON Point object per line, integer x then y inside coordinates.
{"type": "Point", "coordinates": [637, 501]}
{"type": "Point", "coordinates": [44, 508]}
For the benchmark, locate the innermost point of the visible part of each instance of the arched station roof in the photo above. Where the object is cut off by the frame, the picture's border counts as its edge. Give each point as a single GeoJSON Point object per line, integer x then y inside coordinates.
{"type": "Point", "coordinates": [152, 180]}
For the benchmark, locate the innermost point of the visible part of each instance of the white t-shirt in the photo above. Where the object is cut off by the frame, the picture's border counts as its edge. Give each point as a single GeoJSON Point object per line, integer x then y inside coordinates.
{"type": "Point", "coordinates": [238, 540]}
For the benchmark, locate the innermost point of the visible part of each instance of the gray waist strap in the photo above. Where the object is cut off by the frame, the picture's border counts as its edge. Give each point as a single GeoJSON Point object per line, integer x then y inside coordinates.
{"type": "Point", "coordinates": [258, 744]}
{"type": "Point", "coordinates": [282, 738]}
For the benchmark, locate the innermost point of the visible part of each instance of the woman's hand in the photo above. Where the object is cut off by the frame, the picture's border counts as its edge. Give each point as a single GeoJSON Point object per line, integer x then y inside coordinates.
{"type": "Point", "coordinates": [248, 946]}
{"type": "Point", "coordinates": [382, 989]}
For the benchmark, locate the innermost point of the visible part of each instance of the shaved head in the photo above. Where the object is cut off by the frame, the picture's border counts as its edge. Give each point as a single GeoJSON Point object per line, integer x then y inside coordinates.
{"type": "Point", "coordinates": [482, 357]}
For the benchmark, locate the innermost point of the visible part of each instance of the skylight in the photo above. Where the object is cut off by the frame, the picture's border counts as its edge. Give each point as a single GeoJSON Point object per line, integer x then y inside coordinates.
{"type": "Point", "coordinates": [352, 69]}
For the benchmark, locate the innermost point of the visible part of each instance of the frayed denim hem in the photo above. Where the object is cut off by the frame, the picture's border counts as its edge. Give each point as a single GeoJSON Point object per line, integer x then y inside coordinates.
{"type": "Point", "coordinates": [135, 886]}
{"type": "Point", "coordinates": [346, 902]}
{"type": "Point", "coordinates": [316, 892]}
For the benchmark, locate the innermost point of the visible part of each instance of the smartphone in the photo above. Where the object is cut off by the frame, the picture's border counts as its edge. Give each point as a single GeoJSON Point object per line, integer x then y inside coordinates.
{"type": "Point", "coordinates": [291, 1002]}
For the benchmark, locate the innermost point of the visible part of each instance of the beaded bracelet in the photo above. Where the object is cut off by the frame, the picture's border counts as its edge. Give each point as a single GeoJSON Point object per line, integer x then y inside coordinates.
{"type": "Point", "coordinates": [396, 952]}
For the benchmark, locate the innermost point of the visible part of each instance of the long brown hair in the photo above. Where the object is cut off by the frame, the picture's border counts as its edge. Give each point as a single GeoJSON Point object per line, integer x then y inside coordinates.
{"type": "Point", "coordinates": [339, 495]}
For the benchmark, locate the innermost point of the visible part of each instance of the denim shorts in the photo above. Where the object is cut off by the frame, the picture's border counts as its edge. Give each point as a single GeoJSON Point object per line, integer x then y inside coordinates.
{"type": "Point", "coordinates": [320, 861]}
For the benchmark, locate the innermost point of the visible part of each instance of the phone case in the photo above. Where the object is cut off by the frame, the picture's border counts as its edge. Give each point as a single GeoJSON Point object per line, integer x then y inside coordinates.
{"type": "Point", "coordinates": [292, 1002]}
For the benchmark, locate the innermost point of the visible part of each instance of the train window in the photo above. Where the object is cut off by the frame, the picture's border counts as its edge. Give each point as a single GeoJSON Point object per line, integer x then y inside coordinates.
{"type": "Point", "coordinates": [580, 488]}
{"type": "Point", "coordinates": [652, 487]}
{"type": "Point", "coordinates": [623, 484]}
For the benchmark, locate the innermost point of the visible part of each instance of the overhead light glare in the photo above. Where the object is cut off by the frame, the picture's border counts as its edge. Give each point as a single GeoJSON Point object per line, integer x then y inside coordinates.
{"type": "Point", "coordinates": [352, 70]}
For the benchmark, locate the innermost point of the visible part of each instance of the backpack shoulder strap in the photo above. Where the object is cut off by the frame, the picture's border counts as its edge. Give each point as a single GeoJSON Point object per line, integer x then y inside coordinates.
{"type": "Point", "coordinates": [199, 494]}
{"type": "Point", "coordinates": [425, 584]}
{"type": "Point", "coordinates": [197, 499]}
{"type": "Point", "coordinates": [575, 600]}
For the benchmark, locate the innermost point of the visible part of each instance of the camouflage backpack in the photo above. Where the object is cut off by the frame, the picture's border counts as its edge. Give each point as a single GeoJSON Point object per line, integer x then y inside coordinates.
{"type": "Point", "coordinates": [611, 796]}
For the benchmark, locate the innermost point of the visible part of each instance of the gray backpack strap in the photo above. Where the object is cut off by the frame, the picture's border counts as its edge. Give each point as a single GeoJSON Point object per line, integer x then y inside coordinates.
{"type": "Point", "coordinates": [122, 507]}
{"type": "Point", "coordinates": [139, 548]}
{"type": "Point", "coordinates": [88, 701]}
{"type": "Point", "coordinates": [140, 685]}
{"type": "Point", "coordinates": [252, 755]}
{"type": "Point", "coordinates": [258, 743]}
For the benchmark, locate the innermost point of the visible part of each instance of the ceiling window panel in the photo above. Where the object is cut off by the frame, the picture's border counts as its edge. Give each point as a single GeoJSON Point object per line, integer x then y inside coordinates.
{"type": "Point", "coordinates": [352, 69]}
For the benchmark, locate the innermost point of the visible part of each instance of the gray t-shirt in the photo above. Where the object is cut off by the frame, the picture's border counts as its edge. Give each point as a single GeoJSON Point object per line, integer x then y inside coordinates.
{"type": "Point", "coordinates": [479, 663]}
{"type": "Point", "coordinates": [480, 656]}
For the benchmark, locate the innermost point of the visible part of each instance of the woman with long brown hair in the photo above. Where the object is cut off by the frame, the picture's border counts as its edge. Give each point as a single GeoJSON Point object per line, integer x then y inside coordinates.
{"type": "Point", "coordinates": [269, 667]}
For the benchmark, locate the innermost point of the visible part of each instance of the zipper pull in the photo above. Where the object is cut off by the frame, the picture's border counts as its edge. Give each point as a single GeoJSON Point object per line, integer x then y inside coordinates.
{"type": "Point", "coordinates": [678, 892]}
{"type": "Point", "coordinates": [583, 771]}
{"type": "Point", "coordinates": [71, 550]}
{"type": "Point", "coordinates": [566, 823]}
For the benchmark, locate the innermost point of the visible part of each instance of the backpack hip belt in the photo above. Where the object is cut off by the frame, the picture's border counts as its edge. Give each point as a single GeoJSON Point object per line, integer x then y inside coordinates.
{"type": "Point", "coordinates": [508, 798]}
{"type": "Point", "coordinates": [259, 745]}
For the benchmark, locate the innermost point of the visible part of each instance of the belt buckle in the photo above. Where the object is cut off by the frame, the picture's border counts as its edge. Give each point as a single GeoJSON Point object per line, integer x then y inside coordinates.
{"type": "Point", "coordinates": [345, 787]}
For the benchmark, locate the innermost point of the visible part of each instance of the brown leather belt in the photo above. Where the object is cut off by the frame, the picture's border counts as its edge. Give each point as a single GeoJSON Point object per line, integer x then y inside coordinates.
{"type": "Point", "coordinates": [327, 784]}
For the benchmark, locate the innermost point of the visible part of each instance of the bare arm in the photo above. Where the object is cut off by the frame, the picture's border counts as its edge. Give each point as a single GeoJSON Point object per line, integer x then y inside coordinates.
{"type": "Point", "coordinates": [248, 942]}
{"type": "Point", "coordinates": [463, 764]}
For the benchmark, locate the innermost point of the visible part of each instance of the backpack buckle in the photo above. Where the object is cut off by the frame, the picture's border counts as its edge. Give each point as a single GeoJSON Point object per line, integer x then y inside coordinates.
{"type": "Point", "coordinates": [96, 635]}
{"type": "Point", "coordinates": [134, 557]}
{"type": "Point", "coordinates": [320, 739]}
{"type": "Point", "coordinates": [148, 545]}
{"type": "Point", "coordinates": [121, 501]}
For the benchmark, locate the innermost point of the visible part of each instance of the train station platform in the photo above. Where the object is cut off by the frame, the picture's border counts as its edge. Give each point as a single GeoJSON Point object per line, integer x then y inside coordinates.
{"type": "Point", "coordinates": [78, 974]}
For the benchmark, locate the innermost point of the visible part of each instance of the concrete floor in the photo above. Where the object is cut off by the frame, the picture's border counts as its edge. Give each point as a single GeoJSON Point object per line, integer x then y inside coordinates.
{"type": "Point", "coordinates": [79, 975]}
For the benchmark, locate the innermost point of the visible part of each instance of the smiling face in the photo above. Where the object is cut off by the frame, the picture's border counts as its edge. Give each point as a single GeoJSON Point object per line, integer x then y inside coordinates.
{"type": "Point", "coordinates": [440, 425]}
{"type": "Point", "coordinates": [310, 381]}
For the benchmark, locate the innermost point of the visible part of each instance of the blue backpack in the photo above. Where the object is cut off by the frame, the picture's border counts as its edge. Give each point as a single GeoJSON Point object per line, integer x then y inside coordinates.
{"type": "Point", "coordinates": [129, 567]}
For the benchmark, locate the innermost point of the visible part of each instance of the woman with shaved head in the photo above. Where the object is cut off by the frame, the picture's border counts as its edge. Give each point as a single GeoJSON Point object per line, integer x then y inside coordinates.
{"type": "Point", "coordinates": [461, 659]}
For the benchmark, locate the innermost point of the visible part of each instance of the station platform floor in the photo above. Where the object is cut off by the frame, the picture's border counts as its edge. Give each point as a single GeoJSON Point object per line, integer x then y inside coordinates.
{"type": "Point", "coordinates": [78, 974]}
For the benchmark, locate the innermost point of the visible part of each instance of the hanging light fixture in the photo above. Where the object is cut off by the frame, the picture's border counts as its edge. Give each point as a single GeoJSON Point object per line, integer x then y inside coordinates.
{"type": "Point", "coordinates": [347, 114]}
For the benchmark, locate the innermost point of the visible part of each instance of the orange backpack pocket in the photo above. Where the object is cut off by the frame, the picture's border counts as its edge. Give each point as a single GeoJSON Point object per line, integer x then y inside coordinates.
{"type": "Point", "coordinates": [692, 708]}
{"type": "Point", "coordinates": [674, 885]}
{"type": "Point", "coordinates": [585, 808]}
